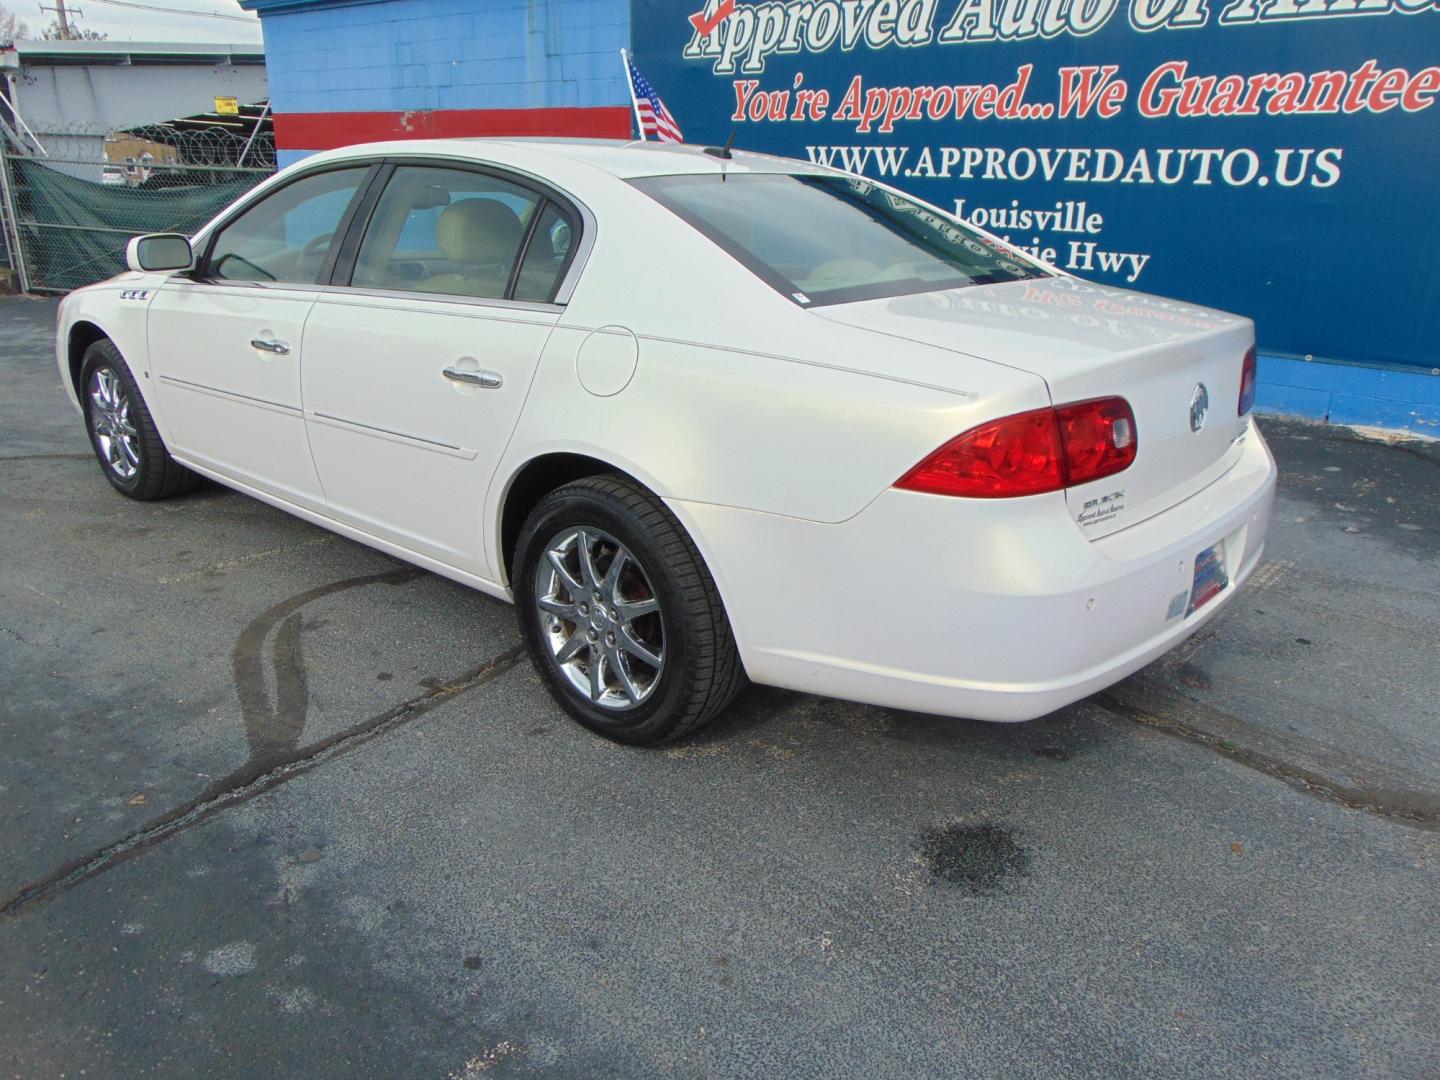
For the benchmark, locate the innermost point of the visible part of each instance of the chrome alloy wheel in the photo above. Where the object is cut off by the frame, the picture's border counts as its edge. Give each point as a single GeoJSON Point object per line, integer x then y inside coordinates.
{"type": "Point", "coordinates": [111, 422]}
{"type": "Point", "coordinates": [601, 618]}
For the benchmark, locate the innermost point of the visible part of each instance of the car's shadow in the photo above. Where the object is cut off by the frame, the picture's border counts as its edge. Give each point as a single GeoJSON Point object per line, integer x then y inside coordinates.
{"type": "Point", "coordinates": [761, 712]}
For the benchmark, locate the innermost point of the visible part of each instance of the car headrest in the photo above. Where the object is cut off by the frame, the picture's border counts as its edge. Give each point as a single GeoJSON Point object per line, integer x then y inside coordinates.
{"type": "Point", "coordinates": [478, 231]}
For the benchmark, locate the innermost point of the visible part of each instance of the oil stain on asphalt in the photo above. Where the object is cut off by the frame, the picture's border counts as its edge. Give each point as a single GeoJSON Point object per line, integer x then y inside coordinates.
{"type": "Point", "coordinates": [981, 858]}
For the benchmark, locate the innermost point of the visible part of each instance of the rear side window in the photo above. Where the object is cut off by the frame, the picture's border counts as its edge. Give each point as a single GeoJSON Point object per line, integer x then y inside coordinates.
{"type": "Point", "coordinates": [835, 239]}
{"type": "Point", "coordinates": [546, 257]}
{"type": "Point", "coordinates": [461, 233]}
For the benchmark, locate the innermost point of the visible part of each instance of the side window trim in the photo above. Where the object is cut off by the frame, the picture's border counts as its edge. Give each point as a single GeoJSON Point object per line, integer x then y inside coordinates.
{"type": "Point", "coordinates": [357, 221]}
{"type": "Point", "coordinates": [202, 274]}
{"type": "Point", "coordinates": [344, 271]}
{"type": "Point", "coordinates": [535, 216]}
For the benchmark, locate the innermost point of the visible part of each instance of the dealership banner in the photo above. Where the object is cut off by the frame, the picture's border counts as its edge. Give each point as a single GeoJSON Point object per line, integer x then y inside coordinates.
{"type": "Point", "coordinates": [1275, 158]}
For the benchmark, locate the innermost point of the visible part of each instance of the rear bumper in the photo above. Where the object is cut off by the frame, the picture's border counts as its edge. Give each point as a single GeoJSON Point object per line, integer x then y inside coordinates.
{"type": "Point", "coordinates": [991, 609]}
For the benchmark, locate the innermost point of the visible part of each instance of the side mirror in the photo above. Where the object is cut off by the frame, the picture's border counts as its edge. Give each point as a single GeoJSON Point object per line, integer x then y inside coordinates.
{"type": "Point", "coordinates": [159, 251]}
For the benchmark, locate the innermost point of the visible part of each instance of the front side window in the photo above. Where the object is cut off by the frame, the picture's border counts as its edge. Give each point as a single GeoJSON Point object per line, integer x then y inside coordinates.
{"type": "Point", "coordinates": [835, 239]}
{"type": "Point", "coordinates": [456, 232]}
{"type": "Point", "coordinates": [285, 236]}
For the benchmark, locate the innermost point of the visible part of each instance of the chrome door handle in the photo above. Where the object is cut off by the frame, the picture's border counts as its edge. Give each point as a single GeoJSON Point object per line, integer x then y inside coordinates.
{"type": "Point", "coordinates": [489, 380]}
{"type": "Point", "coordinates": [279, 348]}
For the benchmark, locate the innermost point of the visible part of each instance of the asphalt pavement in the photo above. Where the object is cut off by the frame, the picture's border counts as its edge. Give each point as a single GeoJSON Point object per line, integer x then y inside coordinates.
{"type": "Point", "coordinates": [274, 804]}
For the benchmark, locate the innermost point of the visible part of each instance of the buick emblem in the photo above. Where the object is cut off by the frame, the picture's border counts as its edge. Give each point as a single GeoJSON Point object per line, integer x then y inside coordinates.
{"type": "Point", "coordinates": [1199, 406]}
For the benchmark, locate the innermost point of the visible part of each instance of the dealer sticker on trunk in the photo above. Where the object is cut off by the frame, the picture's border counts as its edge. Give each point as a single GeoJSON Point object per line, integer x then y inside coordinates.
{"type": "Point", "coordinates": [1101, 508]}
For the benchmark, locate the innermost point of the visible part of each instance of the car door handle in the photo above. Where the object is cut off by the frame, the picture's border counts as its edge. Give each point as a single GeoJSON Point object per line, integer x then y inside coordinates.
{"type": "Point", "coordinates": [490, 380]}
{"type": "Point", "coordinates": [279, 348]}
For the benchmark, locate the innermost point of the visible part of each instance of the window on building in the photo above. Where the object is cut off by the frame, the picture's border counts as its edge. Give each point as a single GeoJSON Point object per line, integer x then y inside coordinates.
{"type": "Point", "coordinates": [285, 236]}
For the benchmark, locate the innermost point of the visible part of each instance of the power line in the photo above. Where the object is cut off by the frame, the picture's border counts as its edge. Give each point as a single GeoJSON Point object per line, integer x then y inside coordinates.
{"type": "Point", "coordinates": [176, 11]}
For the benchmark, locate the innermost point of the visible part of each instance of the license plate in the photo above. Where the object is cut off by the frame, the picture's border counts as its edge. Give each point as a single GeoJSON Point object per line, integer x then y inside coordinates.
{"type": "Point", "coordinates": [1210, 577]}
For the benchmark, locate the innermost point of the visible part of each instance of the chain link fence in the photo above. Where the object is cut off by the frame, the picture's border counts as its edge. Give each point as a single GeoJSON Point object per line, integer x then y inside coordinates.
{"type": "Point", "coordinates": [71, 208]}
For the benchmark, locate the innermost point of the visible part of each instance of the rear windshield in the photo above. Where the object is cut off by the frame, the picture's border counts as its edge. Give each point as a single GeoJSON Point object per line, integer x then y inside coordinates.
{"type": "Point", "coordinates": [835, 239]}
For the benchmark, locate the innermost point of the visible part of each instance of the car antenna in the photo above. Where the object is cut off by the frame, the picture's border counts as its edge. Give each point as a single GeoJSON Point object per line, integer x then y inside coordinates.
{"type": "Point", "coordinates": [722, 151]}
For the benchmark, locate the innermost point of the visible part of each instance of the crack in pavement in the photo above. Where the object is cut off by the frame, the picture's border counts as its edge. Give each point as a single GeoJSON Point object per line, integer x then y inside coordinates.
{"type": "Point", "coordinates": [1396, 800]}
{"type": "Point", "coordinates": [23, 640]}
{"type": "Point", "coordinates": [46, 457]}
{"type": "Point", "coordinates": [224, 566]}
{"type": "Point", "coordinates": [1426, 451]}
{"type": "Point", "coordinates": [252, 780]}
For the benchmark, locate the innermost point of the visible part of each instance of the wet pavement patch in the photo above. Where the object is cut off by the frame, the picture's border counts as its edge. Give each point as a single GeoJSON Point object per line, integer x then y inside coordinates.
{"type": "Point", "coordinates": [981, 858]}
{"type": "Point", "coordinates": [1194, 677]}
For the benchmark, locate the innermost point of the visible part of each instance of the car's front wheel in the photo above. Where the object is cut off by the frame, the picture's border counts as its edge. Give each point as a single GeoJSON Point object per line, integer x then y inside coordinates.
{"type": "Point", "coordinates": [122, 431]}
{"type": "Point", "coordinates": [620, 614]}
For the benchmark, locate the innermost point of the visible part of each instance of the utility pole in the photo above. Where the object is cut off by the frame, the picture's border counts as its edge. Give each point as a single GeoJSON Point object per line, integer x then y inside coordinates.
{"type": "Point", "coordinates": [62, 19]}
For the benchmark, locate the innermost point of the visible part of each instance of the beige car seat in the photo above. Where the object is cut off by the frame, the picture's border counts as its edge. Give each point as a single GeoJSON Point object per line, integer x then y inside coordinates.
{"type": "Point", "coordinates": [482, 237]}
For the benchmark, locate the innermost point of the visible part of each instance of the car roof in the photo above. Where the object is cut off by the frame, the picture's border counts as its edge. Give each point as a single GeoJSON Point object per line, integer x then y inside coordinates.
{"type": "Point", "coordinates": [614, 156]}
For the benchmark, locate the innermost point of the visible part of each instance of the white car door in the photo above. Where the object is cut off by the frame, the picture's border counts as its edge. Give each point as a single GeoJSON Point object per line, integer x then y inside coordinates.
{"type": "Point", "coordinates": [225, 340]}
{"type": "Point", "coordinates": [416, 371]}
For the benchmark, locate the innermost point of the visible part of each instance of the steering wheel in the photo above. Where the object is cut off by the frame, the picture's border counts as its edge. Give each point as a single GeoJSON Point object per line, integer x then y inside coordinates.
{"type": "Point", "coordinates": [316, 244]}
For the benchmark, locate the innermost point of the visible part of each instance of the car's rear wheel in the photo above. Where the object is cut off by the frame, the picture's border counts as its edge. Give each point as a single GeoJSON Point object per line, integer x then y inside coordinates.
{"type": "Point", "coordinates": [122, 431]}
{"type": "Point", "coordinates": [621, 616]}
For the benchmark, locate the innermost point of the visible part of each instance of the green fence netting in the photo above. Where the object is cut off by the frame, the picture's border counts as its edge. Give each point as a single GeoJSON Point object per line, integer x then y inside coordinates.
{"type": "Point", "coordinates": [73, 231]}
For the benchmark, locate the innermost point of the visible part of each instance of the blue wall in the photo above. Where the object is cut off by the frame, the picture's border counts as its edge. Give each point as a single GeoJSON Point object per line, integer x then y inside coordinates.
{"type": "Point", "coordinates": [446, 54]}
{"type": "Point", "coordinates": [329, 58]}
{"type": "Point", "coordinates": [1352, 394]}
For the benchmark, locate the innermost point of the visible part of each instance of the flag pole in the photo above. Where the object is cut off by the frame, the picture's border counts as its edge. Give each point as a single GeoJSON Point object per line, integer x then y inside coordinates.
{"type": "Point", "coordinates": [634, 104]}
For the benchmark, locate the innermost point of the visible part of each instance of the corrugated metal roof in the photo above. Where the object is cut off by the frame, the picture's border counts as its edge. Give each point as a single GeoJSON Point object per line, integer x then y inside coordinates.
{"type": "Point", "coordinates": [71, 53]}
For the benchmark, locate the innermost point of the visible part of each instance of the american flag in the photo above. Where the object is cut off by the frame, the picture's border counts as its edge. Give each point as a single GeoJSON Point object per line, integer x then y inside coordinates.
{"type": "Point", "coordinates": [655, 118]}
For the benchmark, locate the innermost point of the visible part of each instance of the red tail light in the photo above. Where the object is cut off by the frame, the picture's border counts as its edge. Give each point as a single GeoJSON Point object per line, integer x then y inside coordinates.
{"type": "Point", "coordinates": [1018, 455]}
{"type": "Point", "coordinates": [1099, 438]}
{"type": "Point", "coordinates": [1031, 452]}
{"type": "Point", "coordinates": [1247, 381]}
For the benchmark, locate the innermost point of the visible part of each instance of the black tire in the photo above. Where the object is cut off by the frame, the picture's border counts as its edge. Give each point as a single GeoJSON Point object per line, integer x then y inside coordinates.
{"type": "Point", "coordinates": [701, 669]}
{"type": "Point", "coordinates": [156, 474]}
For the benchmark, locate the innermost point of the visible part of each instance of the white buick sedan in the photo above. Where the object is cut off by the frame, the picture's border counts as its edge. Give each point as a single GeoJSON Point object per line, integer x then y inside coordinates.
{"type": "Point", "coordinates": [701, 417]}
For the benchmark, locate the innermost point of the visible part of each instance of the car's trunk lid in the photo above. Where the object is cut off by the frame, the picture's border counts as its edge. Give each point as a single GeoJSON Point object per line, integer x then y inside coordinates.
{"type": "Point", "coordinates": [1090, 341]}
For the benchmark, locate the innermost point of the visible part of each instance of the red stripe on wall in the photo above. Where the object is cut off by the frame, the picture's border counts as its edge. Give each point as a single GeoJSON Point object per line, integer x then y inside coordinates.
{"type": "Point", "coordinates": [324, 131]}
